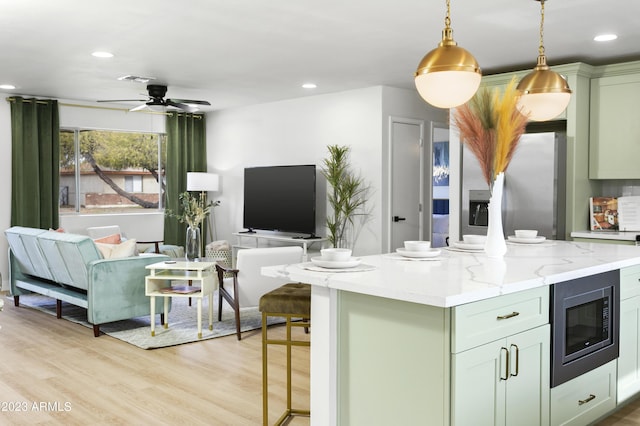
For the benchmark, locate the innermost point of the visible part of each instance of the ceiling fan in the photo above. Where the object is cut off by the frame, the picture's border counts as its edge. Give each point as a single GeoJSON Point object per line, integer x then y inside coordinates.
{"type": "Point", "coordinates": [156, 97]}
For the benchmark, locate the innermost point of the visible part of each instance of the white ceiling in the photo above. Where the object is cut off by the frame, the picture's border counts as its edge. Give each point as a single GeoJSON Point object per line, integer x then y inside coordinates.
{"type": "Point", "coordinates": [239, 52]}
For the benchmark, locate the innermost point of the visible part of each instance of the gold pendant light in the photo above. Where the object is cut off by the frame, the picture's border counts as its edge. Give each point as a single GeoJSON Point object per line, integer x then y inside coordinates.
{"type": "Point", "coordinates": [544, 93]}
{"type": "Point", "coordinates": [449, 75]}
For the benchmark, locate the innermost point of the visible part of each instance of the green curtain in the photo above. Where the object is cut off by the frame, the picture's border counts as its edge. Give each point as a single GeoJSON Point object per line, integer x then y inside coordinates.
{"type": "Point", "coordinates": [35, 160]}
{"type": "Point", "coordinates": [186, 152]}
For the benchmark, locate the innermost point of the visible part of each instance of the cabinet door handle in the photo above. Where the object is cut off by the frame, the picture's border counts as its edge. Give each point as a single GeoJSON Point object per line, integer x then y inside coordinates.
{"type": "Point", "coordinates": [507, 316]}
{"type": "Point", "coordinates": [506, 365]}
{"type": "Point", "coordinates": [517, 360]}
{"type": "Point", "coordinates": [584, 401]}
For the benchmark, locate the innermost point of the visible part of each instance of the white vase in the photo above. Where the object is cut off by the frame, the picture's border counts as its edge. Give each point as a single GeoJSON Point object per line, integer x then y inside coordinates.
{"type": "Point", "coordinates": [496, 246]}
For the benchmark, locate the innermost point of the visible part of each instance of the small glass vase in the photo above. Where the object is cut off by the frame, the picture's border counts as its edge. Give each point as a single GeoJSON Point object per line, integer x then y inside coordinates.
{"type": "Point", "coordinates": [496, 246]}
{"type": "Point", "coordinates": [193, 245]}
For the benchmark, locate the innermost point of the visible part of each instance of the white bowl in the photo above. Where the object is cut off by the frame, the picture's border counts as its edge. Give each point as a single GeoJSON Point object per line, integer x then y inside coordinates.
{"type": "Point", "coordinates": [417, 245]}
{"type": "Point", "coordinates": [526, 233]}
{"type": "Point", "coordinates": [474, 239]}
{"type": "Point", "coordinates": [336, 254]}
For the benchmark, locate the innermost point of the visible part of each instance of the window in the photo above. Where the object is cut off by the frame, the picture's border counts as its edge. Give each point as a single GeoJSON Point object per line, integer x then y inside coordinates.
{"type": "Point", "coordinates": [133, 183]}
{"type": "Point", "coordinates": [104, 171]}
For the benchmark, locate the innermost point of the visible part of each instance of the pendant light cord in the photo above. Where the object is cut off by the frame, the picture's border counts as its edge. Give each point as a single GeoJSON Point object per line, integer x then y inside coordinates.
{"type": "Point", "coordinates": [447, 19]}
{"type": "Point", "coordinates": [541, 48]}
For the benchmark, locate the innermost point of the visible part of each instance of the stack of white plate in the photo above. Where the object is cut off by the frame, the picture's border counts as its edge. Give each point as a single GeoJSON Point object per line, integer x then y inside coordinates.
{"type": "Point", "coordinates": [418, 254]}
{"type": "Point", "coordinates": [336, 264]}
{"type": "Point", "coordinates": [526, 236]}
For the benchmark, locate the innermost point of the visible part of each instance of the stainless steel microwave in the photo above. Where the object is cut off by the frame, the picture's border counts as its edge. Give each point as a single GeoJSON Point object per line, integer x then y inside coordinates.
{"type": "Point", "coordinates": [585, 316]}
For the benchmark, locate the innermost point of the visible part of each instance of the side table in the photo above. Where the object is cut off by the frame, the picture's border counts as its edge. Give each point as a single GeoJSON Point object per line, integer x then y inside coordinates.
{"type": "Point", "coordinates": [158, 284]}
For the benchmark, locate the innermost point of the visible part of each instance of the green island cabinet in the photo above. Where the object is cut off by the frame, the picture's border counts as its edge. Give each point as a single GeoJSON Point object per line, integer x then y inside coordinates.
{"type": "Point", "coordinates": [629, 360]}
{"type": "Point", "coordinates": [500, 360]}
{"type": "Point", "coordinates": [614, 142]}
{"type": "Point", "coordinates": [473, 364]}
{"type": "Point", "coordinates": [585, 399]}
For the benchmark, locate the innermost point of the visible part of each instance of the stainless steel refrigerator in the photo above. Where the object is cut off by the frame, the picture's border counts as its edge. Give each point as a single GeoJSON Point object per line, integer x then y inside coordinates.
{"type": "Point", "coordinates": [535, 188]}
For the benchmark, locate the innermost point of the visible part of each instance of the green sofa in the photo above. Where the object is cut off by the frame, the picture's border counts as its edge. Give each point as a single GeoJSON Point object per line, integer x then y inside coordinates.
{"type": "Point", "coordinates": [70, 268]}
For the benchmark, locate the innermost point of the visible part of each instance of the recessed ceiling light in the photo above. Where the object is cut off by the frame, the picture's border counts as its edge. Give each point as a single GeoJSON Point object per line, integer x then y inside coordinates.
{"type": "Point", "coordinates": [605, 37]}
{"type": "Point", "coordinates": [100, 54]}
{"type": "Point", "coordinates": [7, 86]}
{"type": "Point", "coordinates": [309, 86]}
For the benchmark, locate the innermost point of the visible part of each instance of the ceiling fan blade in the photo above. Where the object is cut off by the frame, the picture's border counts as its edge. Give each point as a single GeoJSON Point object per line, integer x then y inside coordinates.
{"type": "Point", "coordinates": [185, 107]}
{"type": "Point", "coordinates": [189, 101]}
{"type": "Point", "coordinates": [138, 108]}
{"type": "Point", "coordinates": [122, 100]}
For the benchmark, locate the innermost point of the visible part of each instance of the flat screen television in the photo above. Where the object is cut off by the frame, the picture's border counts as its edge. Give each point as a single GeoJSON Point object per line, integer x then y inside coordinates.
{"type": "Point", "coordinates": [280, 198]}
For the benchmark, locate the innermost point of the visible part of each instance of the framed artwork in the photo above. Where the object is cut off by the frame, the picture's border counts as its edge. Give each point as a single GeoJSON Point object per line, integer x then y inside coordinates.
{"type": "Point", "coordinates": [441, 163]}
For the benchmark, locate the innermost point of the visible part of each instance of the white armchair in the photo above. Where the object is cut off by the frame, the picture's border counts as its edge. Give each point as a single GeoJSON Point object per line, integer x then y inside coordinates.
{"type": "Point", "coordinates": [247, 284]}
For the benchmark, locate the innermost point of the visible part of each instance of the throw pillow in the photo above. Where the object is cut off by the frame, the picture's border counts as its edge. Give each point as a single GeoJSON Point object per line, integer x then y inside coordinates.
{"type": "Point", "coordinates": [118, 251]}
{"type": "Point", "coordinates": [109, 239]}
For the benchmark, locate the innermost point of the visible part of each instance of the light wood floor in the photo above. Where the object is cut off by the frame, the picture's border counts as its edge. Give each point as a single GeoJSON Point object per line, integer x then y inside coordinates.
{"type": "Point", "coordinates": [57, 373]}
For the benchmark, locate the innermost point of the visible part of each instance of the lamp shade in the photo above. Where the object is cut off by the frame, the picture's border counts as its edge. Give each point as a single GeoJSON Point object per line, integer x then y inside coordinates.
{"type": "Point", "coordinates": [199, 181]}
{"type": "Point", "coordinates": [449, 75]}
{"type": "Point", "coordinates": [545, 94]}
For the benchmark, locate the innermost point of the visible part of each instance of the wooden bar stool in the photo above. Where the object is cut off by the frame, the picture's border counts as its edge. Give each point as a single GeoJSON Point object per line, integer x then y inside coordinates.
{"type": "Point", "coordinates": [291, 301]}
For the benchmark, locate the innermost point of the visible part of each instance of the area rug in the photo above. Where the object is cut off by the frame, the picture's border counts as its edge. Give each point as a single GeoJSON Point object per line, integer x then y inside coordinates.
{"type": "Point", "coordinates": [182, 329]}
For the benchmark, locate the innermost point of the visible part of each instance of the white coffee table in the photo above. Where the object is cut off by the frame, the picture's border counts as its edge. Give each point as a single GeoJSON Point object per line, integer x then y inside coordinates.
{"type": "Point", "coordinates": [201, 278]}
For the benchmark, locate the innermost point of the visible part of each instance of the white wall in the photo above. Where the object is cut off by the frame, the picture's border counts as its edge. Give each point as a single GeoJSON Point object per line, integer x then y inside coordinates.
{"type": "Point", "coordinates": [298, 131]}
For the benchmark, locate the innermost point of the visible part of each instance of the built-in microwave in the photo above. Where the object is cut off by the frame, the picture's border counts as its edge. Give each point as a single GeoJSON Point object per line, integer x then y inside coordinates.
{"type": "Point", "coordinates": [585, 316]}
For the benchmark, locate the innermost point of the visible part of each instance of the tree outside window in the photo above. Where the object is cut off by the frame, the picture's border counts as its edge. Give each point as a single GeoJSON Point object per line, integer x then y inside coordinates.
{"type": "Point", "coordinates": [103, 171]}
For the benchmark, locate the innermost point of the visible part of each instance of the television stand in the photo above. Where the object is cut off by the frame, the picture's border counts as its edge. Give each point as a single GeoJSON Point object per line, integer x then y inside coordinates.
{"type": "Point", "coordinates": [249, 231]}
{"type": "Point", "coordinates": [310, 237]}
{"type": "Point", "coordinates": [306, 242]}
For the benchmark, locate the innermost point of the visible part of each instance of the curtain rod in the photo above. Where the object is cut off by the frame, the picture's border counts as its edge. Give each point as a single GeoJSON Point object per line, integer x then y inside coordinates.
{"type": "Point", "coordinates": [12, 99]}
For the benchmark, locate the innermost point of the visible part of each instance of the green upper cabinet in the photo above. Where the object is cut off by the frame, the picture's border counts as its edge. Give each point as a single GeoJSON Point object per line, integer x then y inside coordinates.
{"type": "Point", "coordinates": [614, 145]}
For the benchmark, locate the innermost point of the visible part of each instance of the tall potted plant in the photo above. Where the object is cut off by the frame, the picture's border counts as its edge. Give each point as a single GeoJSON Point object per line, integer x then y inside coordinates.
{"type": "Point", "coordinates": [347, 197]}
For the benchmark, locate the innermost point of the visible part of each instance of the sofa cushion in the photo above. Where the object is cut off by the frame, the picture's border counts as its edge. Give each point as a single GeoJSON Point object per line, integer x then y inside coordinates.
{"type": "Point", "coordinates": [174, 252]}
{"type": "Point", "coordinates": [118, 251]}
{"type": "Point", "coordinates": [67, 256]}
{"type": "Point", "coordinates": [25, 248]}
{"type": "Point", "coordinates": [109, 239]}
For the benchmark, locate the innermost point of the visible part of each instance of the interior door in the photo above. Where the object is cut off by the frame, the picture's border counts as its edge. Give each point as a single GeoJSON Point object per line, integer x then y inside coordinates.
{"type": "Point", "coordinates": [406, 182]}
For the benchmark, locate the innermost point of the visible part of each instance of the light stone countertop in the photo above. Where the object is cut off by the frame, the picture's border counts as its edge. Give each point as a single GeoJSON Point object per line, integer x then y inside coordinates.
{"type": "Point", "coordinates": [456, 277]}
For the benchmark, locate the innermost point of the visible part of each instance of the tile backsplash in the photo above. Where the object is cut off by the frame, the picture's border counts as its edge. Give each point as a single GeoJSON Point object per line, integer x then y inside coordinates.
{"type": "Point", "coordinates": [620, 188]}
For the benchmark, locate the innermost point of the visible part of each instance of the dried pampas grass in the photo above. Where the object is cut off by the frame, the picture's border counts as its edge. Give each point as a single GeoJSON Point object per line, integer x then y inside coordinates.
{"type": "Point", "coordinates": [491, 126]}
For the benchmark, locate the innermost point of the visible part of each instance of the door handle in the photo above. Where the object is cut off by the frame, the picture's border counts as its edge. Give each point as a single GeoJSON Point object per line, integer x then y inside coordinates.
{"type": "Point", "coordinates": [398, 218]}
{"type": "Point", "coordinates": [506, 364]}
{"type": "Point", "coordinates": [507, 316]}
{"type": "Point", "coordinates": [591, 397]}
{"type": "Point", "coordinates": [517, 360]}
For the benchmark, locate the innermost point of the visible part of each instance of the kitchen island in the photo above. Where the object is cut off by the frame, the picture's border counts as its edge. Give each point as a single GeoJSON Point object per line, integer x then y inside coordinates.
{"type": "Point", "coordinates": [389, 344]}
